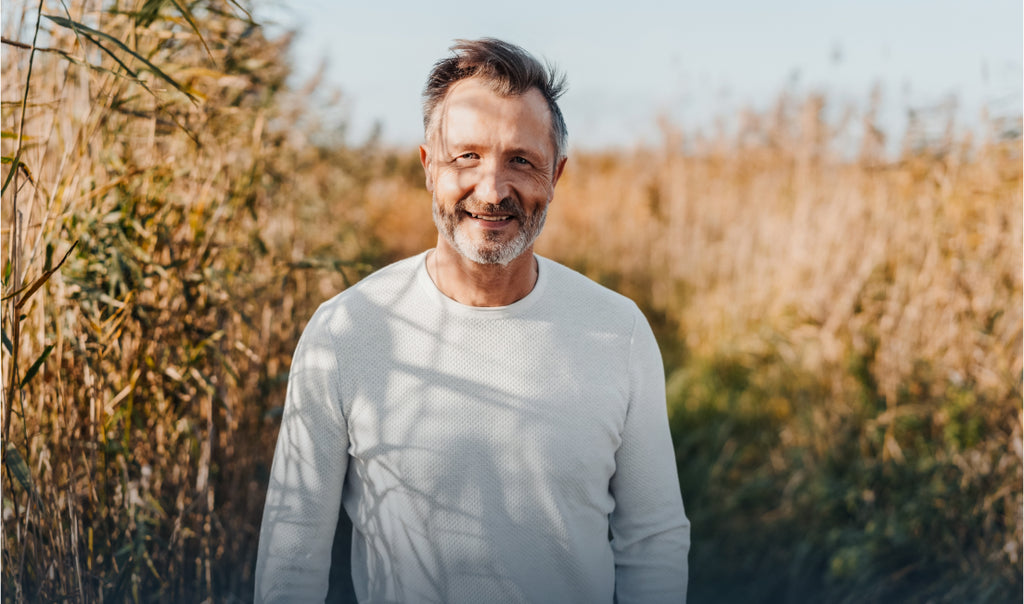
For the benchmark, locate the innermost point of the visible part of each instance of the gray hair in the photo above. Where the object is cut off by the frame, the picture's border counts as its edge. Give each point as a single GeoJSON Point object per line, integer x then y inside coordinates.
{"type": "Point", "coordinates": [508, 69]}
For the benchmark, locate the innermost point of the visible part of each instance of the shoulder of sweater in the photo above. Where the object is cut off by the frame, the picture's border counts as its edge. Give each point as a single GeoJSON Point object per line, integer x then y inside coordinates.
{"type": "Point", "coordinates": [569, 283]}
{"type": "Point", "coordinates": [373, 292]}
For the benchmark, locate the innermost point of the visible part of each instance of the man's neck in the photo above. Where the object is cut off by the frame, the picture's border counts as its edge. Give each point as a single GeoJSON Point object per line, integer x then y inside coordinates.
{"type": "Point", "coordinates": [474, 284]}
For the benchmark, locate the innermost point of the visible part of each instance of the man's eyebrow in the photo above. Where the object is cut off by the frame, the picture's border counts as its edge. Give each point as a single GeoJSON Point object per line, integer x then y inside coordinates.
{"type": "Point", "coordinates": [525, 151]}
{"type": "Point", "coordinates": [460, 146]}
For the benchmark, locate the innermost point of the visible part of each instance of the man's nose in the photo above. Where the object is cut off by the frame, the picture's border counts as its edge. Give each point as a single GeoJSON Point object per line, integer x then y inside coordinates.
{"type": "Point", "coordinates": [493, 183]}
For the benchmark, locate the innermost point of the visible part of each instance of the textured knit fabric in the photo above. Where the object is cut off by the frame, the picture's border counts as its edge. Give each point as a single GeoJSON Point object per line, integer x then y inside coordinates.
{"type": "Point", "coordinates": [483, 454]}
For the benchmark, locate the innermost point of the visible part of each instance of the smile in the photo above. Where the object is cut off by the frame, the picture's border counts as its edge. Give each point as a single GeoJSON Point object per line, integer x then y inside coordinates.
{"type": "Point", "coordinates": [489, 218]}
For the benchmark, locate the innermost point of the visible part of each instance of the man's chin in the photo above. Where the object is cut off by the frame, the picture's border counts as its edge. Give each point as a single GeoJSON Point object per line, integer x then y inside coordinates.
{"type": "Point", "coordinates": [483, 242]}
{"type": "Point", "coordinates": [489, 252]}
{"type": "Point", "coordinates": [490, 256]}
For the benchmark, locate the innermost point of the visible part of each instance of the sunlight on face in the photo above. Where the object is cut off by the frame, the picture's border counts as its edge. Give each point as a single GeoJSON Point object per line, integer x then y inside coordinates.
{"type": "Point", "coordinates": [491, 170]}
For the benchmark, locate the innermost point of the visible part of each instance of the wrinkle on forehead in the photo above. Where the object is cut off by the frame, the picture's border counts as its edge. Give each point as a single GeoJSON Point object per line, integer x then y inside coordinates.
{"type": "Point", "coordinates": [478, 100]}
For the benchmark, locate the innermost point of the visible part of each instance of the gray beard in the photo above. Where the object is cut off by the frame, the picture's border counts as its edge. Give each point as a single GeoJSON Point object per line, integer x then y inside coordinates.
{"type": "Point", "coordinates": [492, 250]}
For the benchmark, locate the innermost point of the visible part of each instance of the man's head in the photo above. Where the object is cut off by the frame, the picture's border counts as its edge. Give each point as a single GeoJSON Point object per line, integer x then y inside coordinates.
{"type": "Point", "coordinates": [495, 149]}
{"type": "Point", "coordinates": [507, 69]}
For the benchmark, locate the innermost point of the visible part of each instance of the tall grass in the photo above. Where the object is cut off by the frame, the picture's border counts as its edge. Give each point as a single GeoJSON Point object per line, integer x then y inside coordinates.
{"type": "Point", "coordinates": [845, 338]}
{"type": "Point", "coordinates": [141, 379]}
{"type": "Point", "coordinates": [842, 333]}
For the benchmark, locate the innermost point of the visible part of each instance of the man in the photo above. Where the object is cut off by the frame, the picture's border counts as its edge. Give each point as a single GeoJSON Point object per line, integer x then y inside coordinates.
{"type": "Point", "coordinates": [493, 423]}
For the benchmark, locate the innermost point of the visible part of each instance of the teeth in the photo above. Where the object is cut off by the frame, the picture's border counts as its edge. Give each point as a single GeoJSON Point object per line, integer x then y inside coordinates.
{"type": "Point", "coordinates": [491, 218]}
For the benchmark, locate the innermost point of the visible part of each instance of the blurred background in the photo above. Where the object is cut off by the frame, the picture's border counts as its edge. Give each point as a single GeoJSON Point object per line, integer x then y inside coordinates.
{"type": "Point", "coordinates": [818, 208]}
{"type": "Point", "coordinates": [694, 63]}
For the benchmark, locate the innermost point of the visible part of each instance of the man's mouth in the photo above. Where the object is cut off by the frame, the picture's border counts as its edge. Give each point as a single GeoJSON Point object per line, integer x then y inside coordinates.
{"type": "Point", "coordinates": [489, 218]}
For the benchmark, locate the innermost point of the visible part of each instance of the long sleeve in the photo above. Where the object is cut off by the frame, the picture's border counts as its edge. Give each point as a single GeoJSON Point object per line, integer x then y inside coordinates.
{"type": "Point", "coordinates": [650, 531]}
{"type": "Point", "coordinates": [310, 461]}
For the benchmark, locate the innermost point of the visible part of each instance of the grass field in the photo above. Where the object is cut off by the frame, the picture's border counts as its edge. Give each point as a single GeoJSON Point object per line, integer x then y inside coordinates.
{"type": "Point", "coordinates": [841, 326]}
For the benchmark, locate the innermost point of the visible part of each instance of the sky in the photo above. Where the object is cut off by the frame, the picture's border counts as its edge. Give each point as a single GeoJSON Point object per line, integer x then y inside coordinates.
{"type": "Point", "coordinates": [631, 63]}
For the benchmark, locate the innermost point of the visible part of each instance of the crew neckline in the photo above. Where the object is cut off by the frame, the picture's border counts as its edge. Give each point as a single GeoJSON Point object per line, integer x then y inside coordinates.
{"type": "Point", "coordinates": [518, 307]}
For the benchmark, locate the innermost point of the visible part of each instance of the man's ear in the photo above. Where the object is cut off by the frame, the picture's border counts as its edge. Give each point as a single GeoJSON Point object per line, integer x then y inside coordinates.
{"type": "Point", "coordinates": [425, 160]}
{"type": "Point", "coordinates": [558, 170]}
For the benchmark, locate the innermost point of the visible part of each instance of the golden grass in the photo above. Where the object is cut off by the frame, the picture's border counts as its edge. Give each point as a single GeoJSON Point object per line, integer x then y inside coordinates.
{"type": "Point", "coordinates": [922, 253]}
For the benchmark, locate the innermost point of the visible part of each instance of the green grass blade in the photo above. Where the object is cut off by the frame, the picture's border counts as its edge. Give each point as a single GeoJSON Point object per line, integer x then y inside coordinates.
{"type": "Point", "coordinates": [34, 369]}
{"type": "Point", "coordinates": [7, 341]}
{"type": "Point", "coordinates": [149, 12]}
{"type": "Point", "coordinates": [31, 289]}
{"type": "Point", "coordinates": [83, 33]}
{"type": "Point", "coordinates": [68, 56]}
{"type": "Point", "coordinates": [17, 466]}
{"type": "Point", "coordinates": [187, 14]}
{"type": "Point", "coordinates": [87, 31]}
{"type": "Point", "coordinates": [18, 165]}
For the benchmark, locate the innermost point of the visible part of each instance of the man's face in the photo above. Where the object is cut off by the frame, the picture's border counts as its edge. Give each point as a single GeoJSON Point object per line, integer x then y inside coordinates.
{"type": "Point", "coordinates": [490, 166]}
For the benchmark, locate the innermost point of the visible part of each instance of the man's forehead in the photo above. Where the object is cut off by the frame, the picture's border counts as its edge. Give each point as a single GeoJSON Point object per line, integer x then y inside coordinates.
{"type": "Point", "coordinates": [474, 103]}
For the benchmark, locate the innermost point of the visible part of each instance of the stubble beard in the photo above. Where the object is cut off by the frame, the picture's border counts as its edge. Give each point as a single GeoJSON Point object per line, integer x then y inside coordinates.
{"type": "Point", "coordinates": [492, 250]}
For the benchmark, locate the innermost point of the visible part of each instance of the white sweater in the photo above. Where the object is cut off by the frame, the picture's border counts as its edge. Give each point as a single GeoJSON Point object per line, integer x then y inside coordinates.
{"type": "Point", "coordinates": [482, 454]}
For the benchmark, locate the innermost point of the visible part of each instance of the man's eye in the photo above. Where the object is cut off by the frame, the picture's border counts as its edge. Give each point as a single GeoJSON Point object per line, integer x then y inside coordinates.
{"type": "Point", "coordinates": [469, 155]}
{"type": "Point", "coordinates": [521, 160]}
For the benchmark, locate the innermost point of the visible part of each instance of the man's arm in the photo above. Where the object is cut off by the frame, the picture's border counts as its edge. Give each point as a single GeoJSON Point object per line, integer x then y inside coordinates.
{"type": "Point", "coordinates": [310, 461]}
{"type": "Point", "coordinates": [650, 531]}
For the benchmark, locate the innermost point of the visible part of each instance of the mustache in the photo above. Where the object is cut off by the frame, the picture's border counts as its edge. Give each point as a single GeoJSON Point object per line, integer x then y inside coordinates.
{"type": "Point", "coordinates": [507, 205]}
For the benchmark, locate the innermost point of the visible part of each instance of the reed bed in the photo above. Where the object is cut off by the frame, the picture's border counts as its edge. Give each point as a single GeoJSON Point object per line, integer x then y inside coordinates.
{"type": "Point", "coordinates": [142, 377]}
{"type": "Point", "coordinates": [844, 338]}
{"type": "Point", "coordinates": [841, 328]}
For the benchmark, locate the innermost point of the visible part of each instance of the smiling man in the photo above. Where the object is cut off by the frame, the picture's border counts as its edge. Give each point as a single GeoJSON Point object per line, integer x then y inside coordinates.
{"type": "Point", "coordinates": [492, 422]}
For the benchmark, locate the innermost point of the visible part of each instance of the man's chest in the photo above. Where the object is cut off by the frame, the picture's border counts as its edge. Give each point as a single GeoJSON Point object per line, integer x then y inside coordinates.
{"type": "Point", "coordinates": [516, 404]}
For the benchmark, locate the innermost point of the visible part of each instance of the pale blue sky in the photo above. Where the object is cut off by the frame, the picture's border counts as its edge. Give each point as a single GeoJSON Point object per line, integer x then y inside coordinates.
{"type": "Point", "coordinates": [628, 62]}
